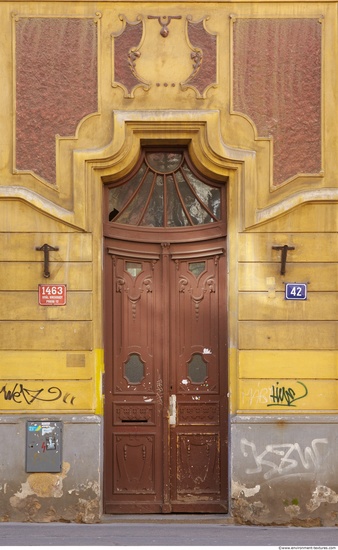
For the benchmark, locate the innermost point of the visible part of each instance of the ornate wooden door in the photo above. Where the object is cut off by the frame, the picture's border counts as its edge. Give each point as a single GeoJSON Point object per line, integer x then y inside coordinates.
{"type": "Point", "coordinates": [166, 370]}
{"type": "Point", "coordinates": [197, 378]}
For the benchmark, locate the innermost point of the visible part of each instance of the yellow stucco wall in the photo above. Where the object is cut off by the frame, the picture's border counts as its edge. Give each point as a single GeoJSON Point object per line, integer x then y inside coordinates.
{"type": "Point", "coordinates": [51, 357]}
{"type": "Point", "coordinates": [292, 344]}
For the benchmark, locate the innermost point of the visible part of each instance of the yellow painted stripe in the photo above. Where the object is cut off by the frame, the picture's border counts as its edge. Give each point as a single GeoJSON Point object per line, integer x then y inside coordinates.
{"type": "Point", "coordinates": [288, 335]}
{"type": "Point", "coordinates": [46, 395]}
{"type": "Point", "coordinates": [261, 306]}
{"type": "Point", "coordinates": [233, 379]}
{"type": "Point", "coordinates": [19, 276]}
{"type": "Point", "coordinates": [76, 247]}
{"type": "Point", "coordinates": [306, 218]}
{"type": "Point", "coordinates": [288, 364]}
{"type": "Point", "coordinates": [46, 335]}
{"type": "Point", "coordinates": [256, 276]}
{"type": "Point", "coordinates": [287, 396]}
{"type": "Point", "coordinates": [99, 371]}
{"type": "Point", "coordinates": [257, 247]}
{"type": "Point", "coordinates": [62, 365]}
{"type": "Point", "coordinates": [24, 306]}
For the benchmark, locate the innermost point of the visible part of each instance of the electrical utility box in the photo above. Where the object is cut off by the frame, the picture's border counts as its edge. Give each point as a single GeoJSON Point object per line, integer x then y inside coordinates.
{"type": "Point", "coordinates": [43, 446]}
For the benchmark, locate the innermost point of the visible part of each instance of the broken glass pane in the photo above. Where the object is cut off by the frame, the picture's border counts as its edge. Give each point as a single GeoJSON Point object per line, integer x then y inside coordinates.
{"type": "Point", "coordinates": [119, 196]}
{"type": "Point", "coordinates": [133, 212]}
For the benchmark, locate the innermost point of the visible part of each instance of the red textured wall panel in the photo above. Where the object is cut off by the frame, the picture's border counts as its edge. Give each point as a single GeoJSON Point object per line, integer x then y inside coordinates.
{"type": "Point", "coordinates": [56, 86]}
{"type": "Point", "coordinates": [205, 73]}
{"type": "Point", "coordinates": [124, 60]}
{"type": "Point", "coordinates": [277, 83]}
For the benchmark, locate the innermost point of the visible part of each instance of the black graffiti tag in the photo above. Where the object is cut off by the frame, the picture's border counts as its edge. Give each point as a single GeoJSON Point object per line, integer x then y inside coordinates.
{"type": "Point", "coordinates": [19, 393]}
{"type": "Point", "coordinates": [285, 397]}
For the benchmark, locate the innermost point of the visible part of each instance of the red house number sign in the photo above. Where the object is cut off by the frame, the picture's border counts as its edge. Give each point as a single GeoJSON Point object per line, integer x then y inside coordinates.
{"type": "Point", "coordinates": [52, 295]}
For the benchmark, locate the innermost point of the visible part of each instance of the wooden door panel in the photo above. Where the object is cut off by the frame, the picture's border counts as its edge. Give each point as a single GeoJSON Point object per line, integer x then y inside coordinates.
{"type": "Point", "coordinates": [198, 413]}
{"type": "Point", "coordinates": [134, 464]}
{"type": "Point", "coordinates": [197, 466]}
{"type": "Point", "coordinates": [167, 319]}
{"type": "Point", "coordinates": [197, 379]}
{"type": "Point", "coordinates": [133, 325]}
{"type": "Point", "coordinates": [133, 413]}
{"type": "Point", "coordinates": [195, 331]}
{"type": "Point", "coordinates": [133, 408]}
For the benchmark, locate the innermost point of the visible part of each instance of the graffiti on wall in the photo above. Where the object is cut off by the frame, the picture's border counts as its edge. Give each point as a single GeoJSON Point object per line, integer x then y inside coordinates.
{"type": "Point", "coordinates": [285, 397]}
{"type": "Point", "coordinates": [256, 396]}
{"type": "Point", "coordinates": [283, 459]}
{"type": "Point", "coordinates": [276, 395]}
{"type": "Point", "coordinates": [19, 393]}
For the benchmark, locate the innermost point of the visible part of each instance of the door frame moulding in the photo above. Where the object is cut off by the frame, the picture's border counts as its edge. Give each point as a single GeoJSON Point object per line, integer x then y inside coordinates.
{"type": "Point", "coordinates": [199, 130]}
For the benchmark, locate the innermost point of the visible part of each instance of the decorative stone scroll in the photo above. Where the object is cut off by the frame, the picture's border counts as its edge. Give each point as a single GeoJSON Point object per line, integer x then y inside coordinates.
{"type": "Point", "coordinates": [204, 56]}
{"type": "Point", "coordinates": [127, 45]}
{"type": "Point", "coordinates": [187, 58]}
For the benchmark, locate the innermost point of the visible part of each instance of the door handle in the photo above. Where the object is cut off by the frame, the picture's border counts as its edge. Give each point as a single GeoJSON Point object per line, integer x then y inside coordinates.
{"type": "Point", "coordinates": [172, 410]}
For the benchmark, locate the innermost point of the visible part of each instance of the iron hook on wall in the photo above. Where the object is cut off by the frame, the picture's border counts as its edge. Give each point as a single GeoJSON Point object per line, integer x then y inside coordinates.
{"type": "Point", "coordinates": [284, 250]}
{"type": "Point", "coordinates": [46, 248]}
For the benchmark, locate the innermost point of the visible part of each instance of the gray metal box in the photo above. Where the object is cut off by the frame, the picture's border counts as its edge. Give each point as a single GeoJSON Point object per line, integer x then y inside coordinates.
{"type": "Point", "coordinates": [43, 446]}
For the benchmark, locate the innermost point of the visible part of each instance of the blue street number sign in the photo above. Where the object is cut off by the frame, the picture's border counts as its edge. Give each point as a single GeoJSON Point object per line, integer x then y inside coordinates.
{"type": "Point", "coordinates": [295, 291]}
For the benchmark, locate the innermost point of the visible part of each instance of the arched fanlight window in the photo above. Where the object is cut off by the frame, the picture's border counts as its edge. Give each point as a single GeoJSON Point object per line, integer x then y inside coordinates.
{"type": "Point", "coordinates": [165, 191]}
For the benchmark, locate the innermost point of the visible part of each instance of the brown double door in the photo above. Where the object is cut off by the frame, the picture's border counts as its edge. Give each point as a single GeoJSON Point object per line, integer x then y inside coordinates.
{"type": "Point", "coordinates": [166, 377]}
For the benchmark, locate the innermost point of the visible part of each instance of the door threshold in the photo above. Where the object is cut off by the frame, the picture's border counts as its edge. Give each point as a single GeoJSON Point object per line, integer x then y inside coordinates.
{"type": "Point", "coordinates": [222, 519]}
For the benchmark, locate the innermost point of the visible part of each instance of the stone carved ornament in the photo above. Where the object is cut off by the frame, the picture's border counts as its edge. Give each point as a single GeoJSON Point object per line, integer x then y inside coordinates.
{"type": "Point", "coordinates": [178, 51]}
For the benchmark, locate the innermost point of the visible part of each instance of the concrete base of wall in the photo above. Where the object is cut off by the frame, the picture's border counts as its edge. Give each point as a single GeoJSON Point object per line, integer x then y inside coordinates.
{"type": "Point", "coordinates": [285, 470]}
{"type": "Point", "coordinates": [74, 494]}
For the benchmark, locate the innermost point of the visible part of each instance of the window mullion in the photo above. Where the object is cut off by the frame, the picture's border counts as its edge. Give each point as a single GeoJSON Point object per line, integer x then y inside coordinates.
{"type": "Point", "coordinates": [181, 199]}
{"type": "Point", "coordinates": [149, 198]}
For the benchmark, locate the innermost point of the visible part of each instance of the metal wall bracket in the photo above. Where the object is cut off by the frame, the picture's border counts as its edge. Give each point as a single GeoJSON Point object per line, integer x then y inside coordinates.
{"type": "Point", "coordinates": [284, 250]}
{"type": "Point", "coordinates": [46, 248]}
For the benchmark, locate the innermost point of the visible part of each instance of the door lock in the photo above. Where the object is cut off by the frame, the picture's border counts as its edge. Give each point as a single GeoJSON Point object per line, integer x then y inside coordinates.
{"type": "Point", "coordinates": [172, 410]}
